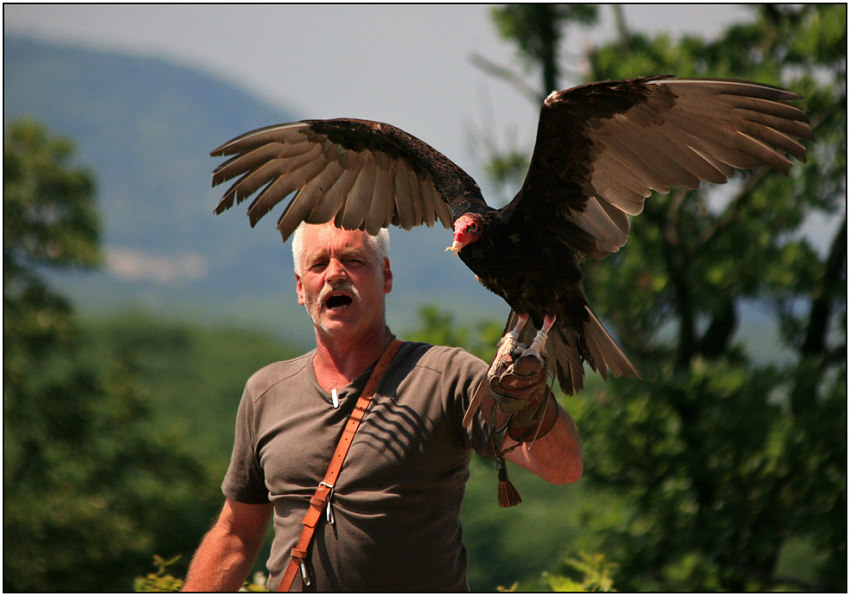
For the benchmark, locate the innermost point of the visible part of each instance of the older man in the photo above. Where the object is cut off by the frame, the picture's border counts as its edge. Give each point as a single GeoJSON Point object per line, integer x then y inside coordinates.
{"type": "Point", "coordinates": [392, 519]}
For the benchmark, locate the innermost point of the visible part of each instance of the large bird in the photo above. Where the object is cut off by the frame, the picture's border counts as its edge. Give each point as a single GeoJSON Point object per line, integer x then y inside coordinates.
{"type": "Point", "coordinates": [601, 149]}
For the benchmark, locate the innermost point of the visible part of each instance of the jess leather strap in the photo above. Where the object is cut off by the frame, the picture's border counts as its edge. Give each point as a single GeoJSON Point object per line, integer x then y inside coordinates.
{"type": "Point", "coordinates": [319, 500]}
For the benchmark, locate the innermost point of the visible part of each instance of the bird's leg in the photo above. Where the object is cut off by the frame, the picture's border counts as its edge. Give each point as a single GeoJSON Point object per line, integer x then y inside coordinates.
{"type": "Point", "coordinates": [539, 344]}
{"type": "Point", "coordinates": [510, 339]}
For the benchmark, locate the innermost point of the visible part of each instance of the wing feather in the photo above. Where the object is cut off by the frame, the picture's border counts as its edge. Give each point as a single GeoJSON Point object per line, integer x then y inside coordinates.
{"type": "Point", "coordinates": [415, 196]}
{"type": "Point", "coordinates": [444, 214]}
{"type": "Point", "coordinates": [252, 180]}
{"type": "Point", "coordinates": [656, 156]}
{"type": "Point", "coordinates": [245, 162]}
{"type": "Point", "coordinates": [331, 203]}
{"type": "Point", "coordinates": [291, 132]}
{"type": "Point", "coordinates": [285, 177]}
{"type": "Point", "coordinates": [403, 199]}
{"type": "Point", "coordinates": [360, 196]}
{"type": "Point", "coordinates": [305, 199]}
{"type": "Point", "coordinates": [606, 223]}
{"type": "Point", "coordinates": [430, 203]}
{"type": "Point", "coordinates": [382, 205]}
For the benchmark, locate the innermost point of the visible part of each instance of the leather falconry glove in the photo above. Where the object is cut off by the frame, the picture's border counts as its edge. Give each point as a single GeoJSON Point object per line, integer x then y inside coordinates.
{"type": "Point", "coordinates": [519, 390]}
{"type": "Point", "coordinates": [519, 403]}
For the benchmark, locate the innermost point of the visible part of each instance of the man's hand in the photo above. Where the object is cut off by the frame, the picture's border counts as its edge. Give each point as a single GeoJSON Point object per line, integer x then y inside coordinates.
{"type": "Point", "coordinates": [515, 384]}
{"type": "Point", "coordinates": [518, 389]}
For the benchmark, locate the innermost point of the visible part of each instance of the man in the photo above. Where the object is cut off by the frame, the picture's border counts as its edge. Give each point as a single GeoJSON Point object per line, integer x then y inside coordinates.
{"type": "Point", "coordinates": [393, 523]}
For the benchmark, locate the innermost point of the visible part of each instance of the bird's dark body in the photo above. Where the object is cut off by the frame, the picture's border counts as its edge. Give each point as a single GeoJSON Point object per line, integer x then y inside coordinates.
{"type": "Point", "coordinates": [531, 276]}
{"type": "Point", "coordinates": [601, 149]}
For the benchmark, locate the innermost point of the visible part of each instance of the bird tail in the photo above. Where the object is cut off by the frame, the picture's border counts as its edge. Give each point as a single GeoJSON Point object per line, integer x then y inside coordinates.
{"type": "Point", "coordinates": [604, 353]}
{"type": "Point", "coordinates": [569, 347]}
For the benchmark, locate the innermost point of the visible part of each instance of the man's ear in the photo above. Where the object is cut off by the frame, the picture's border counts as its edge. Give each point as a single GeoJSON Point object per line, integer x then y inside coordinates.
{"type": "Point", "coordinates": [299, 288]}
{"type": "Point", "coordinates": [388, 276]}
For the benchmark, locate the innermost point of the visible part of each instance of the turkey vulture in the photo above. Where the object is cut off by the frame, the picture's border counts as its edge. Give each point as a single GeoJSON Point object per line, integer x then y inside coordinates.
{"type": "Point", "coordinates": [601, 149]}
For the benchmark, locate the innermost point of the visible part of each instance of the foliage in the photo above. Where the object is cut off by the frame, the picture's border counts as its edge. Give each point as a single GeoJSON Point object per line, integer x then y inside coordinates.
{"type": "Point", "coordinates": [588, 573]}
{"type": "Point", "coordinates": [49, 216]}
{"type": "Point", "coordinates": [193, 374]}
{"type": "Point", "coordinates": [161, 579]}
{"type": "Point", "coordinates": [730, 463]}
{"type": "Point", "coordinates": [49, 221]}
{"type": "Point", "coordinates": [439, 328]}
{"type": "Point", "coordinates": [89, 486]}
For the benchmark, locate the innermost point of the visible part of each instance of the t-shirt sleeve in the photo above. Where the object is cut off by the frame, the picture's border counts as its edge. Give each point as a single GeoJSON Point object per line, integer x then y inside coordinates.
{"type": "Point", "coordinates": [468, 372]}
{"type": "Point", "coordinates": [244, 481]}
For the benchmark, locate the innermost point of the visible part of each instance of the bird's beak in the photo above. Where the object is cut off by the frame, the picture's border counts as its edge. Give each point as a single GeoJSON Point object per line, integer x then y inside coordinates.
{"type": "Point", "coordinates": [455, 247]}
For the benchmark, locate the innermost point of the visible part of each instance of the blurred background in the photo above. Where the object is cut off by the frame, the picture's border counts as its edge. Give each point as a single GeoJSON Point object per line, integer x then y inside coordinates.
{"type": "Point", "coordinates": [133, 315]}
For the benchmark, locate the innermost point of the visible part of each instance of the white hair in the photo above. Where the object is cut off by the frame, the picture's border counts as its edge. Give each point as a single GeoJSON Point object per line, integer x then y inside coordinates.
{"type": "Point", "coordinates": [380, 243]}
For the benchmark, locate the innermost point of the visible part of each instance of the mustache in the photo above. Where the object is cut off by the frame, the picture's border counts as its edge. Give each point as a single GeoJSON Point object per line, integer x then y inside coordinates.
{"type": "Point", "coordinates": [338, 286]}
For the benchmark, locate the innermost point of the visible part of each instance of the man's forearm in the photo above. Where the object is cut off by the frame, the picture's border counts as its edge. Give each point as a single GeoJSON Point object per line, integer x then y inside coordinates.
{"type": "Point", "coordinates": [221, 563]}
{"type": "Point", "coordinates": [556, 457]}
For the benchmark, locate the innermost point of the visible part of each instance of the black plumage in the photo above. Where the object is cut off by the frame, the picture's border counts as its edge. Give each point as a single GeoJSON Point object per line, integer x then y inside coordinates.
{"type": "Point", "coordinates": [601, 149]}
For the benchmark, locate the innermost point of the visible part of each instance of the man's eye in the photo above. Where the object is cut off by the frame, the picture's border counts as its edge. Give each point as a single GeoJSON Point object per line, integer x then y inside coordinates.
{"type": "Point", "coordinates": [354, 260]}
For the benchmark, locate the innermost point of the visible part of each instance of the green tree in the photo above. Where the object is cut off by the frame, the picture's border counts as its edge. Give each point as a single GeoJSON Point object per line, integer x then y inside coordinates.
{"type": "Point", "coordinates": [732, 460]}
{"type": "Point", "coordinates": [90, 489]}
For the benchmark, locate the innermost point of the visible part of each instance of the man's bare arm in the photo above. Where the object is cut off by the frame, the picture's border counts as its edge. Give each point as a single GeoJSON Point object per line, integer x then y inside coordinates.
{"type": "Point", "coordinates": [522, 400]}
{"type": "Point", "coordinates": [556, 457]}
{"type": "Point", "coordinates": [228, 551]}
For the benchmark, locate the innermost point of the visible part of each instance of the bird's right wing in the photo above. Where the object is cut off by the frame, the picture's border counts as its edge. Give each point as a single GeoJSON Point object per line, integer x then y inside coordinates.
{"type": "Point", "coordinates": [358, 173]}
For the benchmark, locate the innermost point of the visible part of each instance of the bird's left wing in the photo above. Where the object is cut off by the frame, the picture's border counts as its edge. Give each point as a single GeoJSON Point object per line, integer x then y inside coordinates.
{"type": "Point", "coordinates": [358, 173]}
{"type": "Point", "coordinates": [602, 148]}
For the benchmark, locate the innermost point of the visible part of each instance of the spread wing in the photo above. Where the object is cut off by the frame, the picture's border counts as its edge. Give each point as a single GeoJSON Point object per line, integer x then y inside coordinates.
{"type": "Point", "coordinates": [602, 148]}
{"type": "Point", "coordinates": [359, 173]}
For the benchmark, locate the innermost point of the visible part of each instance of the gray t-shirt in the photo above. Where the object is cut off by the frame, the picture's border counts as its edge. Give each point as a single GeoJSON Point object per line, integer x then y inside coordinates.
{"type": "Point", "coordinates": [398, 497]}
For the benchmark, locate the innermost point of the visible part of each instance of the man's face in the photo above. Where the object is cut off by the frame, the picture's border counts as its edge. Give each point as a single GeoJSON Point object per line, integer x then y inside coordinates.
{"type": "Point", "coordinates": [342, 282]}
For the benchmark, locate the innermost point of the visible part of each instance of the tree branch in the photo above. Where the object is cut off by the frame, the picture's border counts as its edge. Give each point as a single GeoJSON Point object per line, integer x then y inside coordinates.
{"type": "Point", "coordinates": [830, 287]}
{"type": "Point", "coordinates": [507, 75]}
{"type": "Point", "coordinates": [714, 342]}
{"type": "Point", "coordinates": [620, 22]}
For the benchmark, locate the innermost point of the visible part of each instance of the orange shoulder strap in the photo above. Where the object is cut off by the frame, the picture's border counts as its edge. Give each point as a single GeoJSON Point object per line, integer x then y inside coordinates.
{"type": "Point", "coordinates": [324, 492]}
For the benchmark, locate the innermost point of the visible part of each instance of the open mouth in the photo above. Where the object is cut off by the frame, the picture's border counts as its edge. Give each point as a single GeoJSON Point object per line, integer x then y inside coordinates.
{"type": "Point", "coordinates": [338, 301]}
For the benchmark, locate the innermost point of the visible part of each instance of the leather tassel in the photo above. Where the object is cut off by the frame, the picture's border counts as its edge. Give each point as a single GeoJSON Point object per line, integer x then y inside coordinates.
{"type": "Point", "coordinates": [508, 495]}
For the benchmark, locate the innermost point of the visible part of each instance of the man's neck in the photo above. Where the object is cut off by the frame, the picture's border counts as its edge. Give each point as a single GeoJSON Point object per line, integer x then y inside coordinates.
{"type": "Point", "coordinates": [338, 363]}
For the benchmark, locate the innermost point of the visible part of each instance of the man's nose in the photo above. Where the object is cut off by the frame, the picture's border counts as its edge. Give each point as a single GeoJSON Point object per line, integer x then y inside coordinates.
{"type": "Point", "coordinates": [336, 271]}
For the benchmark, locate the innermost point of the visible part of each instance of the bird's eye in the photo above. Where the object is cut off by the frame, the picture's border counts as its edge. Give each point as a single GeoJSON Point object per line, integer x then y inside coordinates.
{"type": "Point", "coordinates": [472, 228]}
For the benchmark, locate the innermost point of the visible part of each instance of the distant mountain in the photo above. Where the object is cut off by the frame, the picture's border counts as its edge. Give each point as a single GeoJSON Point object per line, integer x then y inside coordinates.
{"type": "Point", "coordinates": [145, 127]}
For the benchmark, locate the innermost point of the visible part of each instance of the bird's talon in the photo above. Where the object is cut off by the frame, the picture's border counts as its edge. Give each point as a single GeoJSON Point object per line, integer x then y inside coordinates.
{"type": "Point", "coordinates": [533, 352]}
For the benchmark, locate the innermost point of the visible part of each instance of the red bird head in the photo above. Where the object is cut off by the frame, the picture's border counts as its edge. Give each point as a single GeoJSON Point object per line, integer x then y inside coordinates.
{"type": "Point", "coordinates": [468, 228]}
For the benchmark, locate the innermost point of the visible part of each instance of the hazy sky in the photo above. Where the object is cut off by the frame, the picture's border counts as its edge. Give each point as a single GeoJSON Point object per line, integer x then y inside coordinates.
{"type": "Point", "coordinates": [404, 64]}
